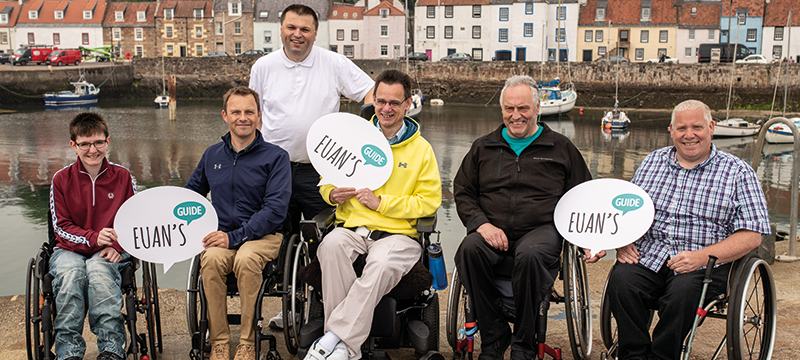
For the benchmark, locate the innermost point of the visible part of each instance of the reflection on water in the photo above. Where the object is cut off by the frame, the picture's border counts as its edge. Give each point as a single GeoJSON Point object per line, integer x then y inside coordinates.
{"type": "Point", "coordinates": [34, 145]}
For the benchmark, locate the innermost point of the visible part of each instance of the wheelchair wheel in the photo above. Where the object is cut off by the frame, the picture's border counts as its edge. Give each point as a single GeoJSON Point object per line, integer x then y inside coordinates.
{"type": "Point", "coordinates": [430, 316]}
{"type": "Point", "coordinates": [296, 300]}
{"type": "Point", "coordinates": [577, 302]}
{"type": "Point", "coordinates": [608, 325]}
{"type": "Point", "coordinates": [752, 312]}
{"type": "Point", "coordinates": [199, 341]}
{"type": "Point", "coordinates": [32, 293]}
{"type": "Point", "coordinates": [456, 319]}
{"type": "Point", "coordinates": [150, 300]}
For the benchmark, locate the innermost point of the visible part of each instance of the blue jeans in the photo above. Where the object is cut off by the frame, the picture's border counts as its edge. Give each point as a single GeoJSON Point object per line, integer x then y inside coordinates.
{"type": "Point", "coordinates": [90, 284]}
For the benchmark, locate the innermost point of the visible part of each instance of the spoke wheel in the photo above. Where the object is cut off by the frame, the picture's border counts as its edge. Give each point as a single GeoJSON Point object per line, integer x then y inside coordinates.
{"type": "Point", "coordinates": [608, 324]}
{"type": "Point", "coordinates": [752, 313]}
{"type": "Point", "coordinates": [578, 305]}
{"type": "Point", "coordinates": [295, 301]}
{"type": "Point", "coordinates": [32, 294]}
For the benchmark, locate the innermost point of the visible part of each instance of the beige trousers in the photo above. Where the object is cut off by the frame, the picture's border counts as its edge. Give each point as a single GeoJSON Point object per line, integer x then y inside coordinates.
{"type": "Point", "coordinates": [349, 300]}
{"type": "Point", "coordinates": [247, 262]}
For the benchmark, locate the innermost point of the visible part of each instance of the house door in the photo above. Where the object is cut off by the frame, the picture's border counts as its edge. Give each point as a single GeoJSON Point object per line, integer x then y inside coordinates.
{"type": "Point", "coordinates": [520, 54]}
{"type": "Point", "coordinates": [563, 55]}
{"type": "Point", "coordinates": [429, 52]}
{"type": "Point", "coordinates": [183, 50]}
{"type": "Point", "coordinates": [451, 51]}
{"type": "Point", "coordinates": [587, 55]}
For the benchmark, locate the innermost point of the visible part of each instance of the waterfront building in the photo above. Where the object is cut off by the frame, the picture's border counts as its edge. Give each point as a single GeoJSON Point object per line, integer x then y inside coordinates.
{"type": "Point", "coordinates": [443, 27]}
{"type": "Point", "coordinates": [233, 26]}
{"type": "Point", "coordinates": [63, 24]}
{"type": "Point", "coordinates": [745, 20]}
{"type": "Point", "coordinates": [777, 31]}
{"type": "Point", "coordinates": [346, 30]}
{"type": "Point", "coordinates": [186, 28]}
{"type": "Point", "coordinates": [267, 26]}
{"type": "Point", "coordinates": [384, 25]}
{"type": "Point", "coordinates": [9, 12]}
{"type": "Point", "coordinates": [129, 27]}
{"type": "Point", "coordinates": [639, 30]}
{"type": "Point", "coordinates": [697, 24]}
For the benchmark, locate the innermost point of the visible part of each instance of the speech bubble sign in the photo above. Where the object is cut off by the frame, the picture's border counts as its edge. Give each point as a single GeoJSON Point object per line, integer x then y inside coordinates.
{"type": "Point", "coordinates": [165, 224]}
{"type": "Point", "coordinates": [348, 151]}
{"type": "Point", "coordinates": [604, 214]}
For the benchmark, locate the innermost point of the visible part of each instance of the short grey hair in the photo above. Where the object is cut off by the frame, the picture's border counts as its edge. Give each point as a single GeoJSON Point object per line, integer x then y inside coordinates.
{"type": "Point", "coordinates": [692, 105]}
{"type": "Point", "coordinates": [521, 80]}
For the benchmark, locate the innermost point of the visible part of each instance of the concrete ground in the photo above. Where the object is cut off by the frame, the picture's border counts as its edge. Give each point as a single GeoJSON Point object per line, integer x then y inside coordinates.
{"type": "Point", "coordinates": [176, 341]}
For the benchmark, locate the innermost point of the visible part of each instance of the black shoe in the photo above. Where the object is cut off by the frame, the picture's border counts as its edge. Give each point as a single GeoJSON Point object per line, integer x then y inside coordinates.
{"type": "Point", "coordinates": [108, 355]}
{"type": "Point", "coordinates": [495, 350]}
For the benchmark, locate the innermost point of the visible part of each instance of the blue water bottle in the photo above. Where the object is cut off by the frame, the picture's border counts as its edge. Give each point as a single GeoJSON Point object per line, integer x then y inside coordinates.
{"type": "Point", "coordinates": [437, 267]}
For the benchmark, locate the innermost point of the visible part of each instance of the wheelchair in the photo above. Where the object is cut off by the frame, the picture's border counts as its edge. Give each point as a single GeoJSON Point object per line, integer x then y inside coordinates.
{"type": "Point", "coordinates": [40, 307]}
{"type": "Point", "coordinates": [749, 308]}
{"type": "Point", "coordinates": [461, 321]}
{"type": "Point", "coordinates": [407, 317]}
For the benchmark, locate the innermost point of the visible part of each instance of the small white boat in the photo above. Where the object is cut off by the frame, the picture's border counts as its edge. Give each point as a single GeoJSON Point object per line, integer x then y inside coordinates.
{"type": "Point", "coordinates": [615, 119]}
{"type": "Point", "coordinates": [781, 134]}
{"type": "Point", "coordinates": [554, 100]}
{"type": "Point", "coordinates": [417, 99]}
{"type": "Point", "coordinates": [735, 127]}
{"type": "Point", "coordinates": [162, 101]}
{"type": "Point", "coordinates": [437, 102]}
{"type": "Point", "coordinates": [84, 93]}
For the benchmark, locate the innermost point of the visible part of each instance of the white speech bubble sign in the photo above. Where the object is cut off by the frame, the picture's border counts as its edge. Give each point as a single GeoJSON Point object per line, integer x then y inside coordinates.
{"type": "Point", "coordinates": [604, 214]}
{"type": "Point", "coordinates": [348, 151]}
{"type": "Point", "coordinates": [165, 224]}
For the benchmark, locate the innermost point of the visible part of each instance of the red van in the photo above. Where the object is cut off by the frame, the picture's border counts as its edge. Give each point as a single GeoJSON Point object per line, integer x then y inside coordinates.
{"type": "Point", "coordinates": [64, 57]}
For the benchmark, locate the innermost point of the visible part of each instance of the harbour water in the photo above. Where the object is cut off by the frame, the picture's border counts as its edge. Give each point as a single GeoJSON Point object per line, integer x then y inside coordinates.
{"type": "Point", "coordinates": [34, 144]}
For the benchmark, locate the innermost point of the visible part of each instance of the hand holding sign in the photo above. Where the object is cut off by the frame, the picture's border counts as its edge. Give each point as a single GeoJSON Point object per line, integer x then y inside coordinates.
{"type": "Point", "coordinates": [604, 214]}
{"type": "Point", "coordinates": [348, 151]}
{"type": "Point", "coordinates": [165, 224]}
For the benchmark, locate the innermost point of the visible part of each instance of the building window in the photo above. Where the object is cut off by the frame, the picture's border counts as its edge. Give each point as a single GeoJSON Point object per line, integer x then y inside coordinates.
{"type": "Point", "coordinates": [237, 28]}
{"type": "Point", "coordinates": [265, 14]}
{"type": "Point", "coordinates": [198, 32]}
{"type": "Point", "coordinates": [779, 33]}
{"type": "Point", "coordinates": [561, 35]}
{"type": "Point", "coordinates": [431, 12]}
{"type": "Point", "coordinates": [645, 14]}
{"type": "Point", "coordinates": [600, 14]}
{"type": "Point", "coordinates": [691, 34]}
{"type": "Point", "coordinates": [219, 27]}
{"type": "Point", "coordinates": [85, 38]}
{"type": "Point", "coordinates": [751, 34]}
{"type": "Point", "coordinates": [623, 35]}
{"type": "Point", "coordinates": [348, 51]}
{"type": "Point", "coordinates": [504, 14]}
{"type": "Point", "coordinates": [527, 30]}
{"type": "Point", "coordinates": [503, 35]}
{"type": "Point", "coordinates": [711, 35]}
{"type": "Point", "coordinates": [448, 32]}
{"type": "Point", "coordinates": [696, 51]}
{"type": "Point", "coordinates": [354, 35]}
{"type": "Point", "coordinates": [477, 54]}
{"type": "Point", "coordinates": [385, 30]}
{"type": "Point", "coordinates": [56, 38]}
{"type": "Point", "coordinates": [139, 50]}
{"type": "Point", "coordinates": [345, 15]}
{"type": "Point", "coordinates": [663, 35]}
{"type": "Point", "coordinates": [335, 48]}
{"type": "Point", "coordinates": [777, 51]}
{"type": "Point", "coordinates": [140, 16]}
{"type": "Point", "coordinates": [528, 8]}
{"type": "Point", "coordinates": [601, 50]}
{"type": "Point", "coordinates": [198, 14]}
{"type": "Point", "coordinates": [198, 49]}
{"type": "Point", "coordinates": [742, 16]}
{"type": "Point", "coordinates": [87, 14]}
{"type": "Point", "coordinates": [169, 31]}
{"type": "Point", "coordinates": [476, 32]}
{"type": "Point", "coordinates": [687, 52]}
{"type": "Point", "coordinates": [59, 15]}
{"type": "Point", "coordinates": [234, 6]}
{"type": "Point", "coordinates": [237, 48]}
{"type": "Point", "coordinates": [267, 36]}
{"type": "Point", "coordinates": [4, 38]}
{"type": "Point", "coordinates": [384, 50]}
{"type": "Point", "coordinates": [598, 36]}
{"type": "Point", "coordinates": [267, 50]}
{"type": "Point", "coordinates": [476, 11]}
{"type": "Point", "coordinates": [33, 15]}
{"type": "Point", "coordinates": [384, 13]}
{"type": "Point", "coordinates": [644, 36]}
{"type": "Point", "coordinates": [561, 13]}
{"type": "Point", "coordinates": [588, 36]}
{"type": "Point", "coordinates": [168, 14]}
{"type": "Point", "coordinates": [723, 34]}
{"type": "Point", "coordinates": [118, 15]}
{"type": "Point", "coordinates": [138, 34]}
{"type": "Point", "coordinates": [639, 54]}
{"type": "Point", "coordinates": [340, 35]}
{"type": "Point", "coordinates": [116, 34]}
{"type": "Point", "coordinates": [448, 11]}
{"type": "Point", "coordinates": [694, 10]}
{"type": "Point", "coordinates": [170, 50]}
{"type": "Point", "coordinates": [430, 32]}
{"type": "Point", "coordinates": [4, 19]}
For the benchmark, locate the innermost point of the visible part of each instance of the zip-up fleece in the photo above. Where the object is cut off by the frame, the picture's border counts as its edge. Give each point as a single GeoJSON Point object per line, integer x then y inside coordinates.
{"type": "Point", "coordinates": [516, 193]}
{"type": "Point", "coordinates": [250, 189]}
{"type": "Point", "coordinates": [413, 191]}
{"type": "Point", "coordinates": [80, 207]}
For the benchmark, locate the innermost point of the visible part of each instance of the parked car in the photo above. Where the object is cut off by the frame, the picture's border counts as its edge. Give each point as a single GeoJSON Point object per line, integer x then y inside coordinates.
{"type": "Point", "coordinates": [64, 57]}
{"type": "Point", "coordinates": [614, 59]}
{"type": "Point", "coordinates": [457, 57]}
{"type": "Point", "coordinates": [216, 54]}
{"type": "Point", "coordinates": [253, 53]}
{"type": "Point", "coordinates": [4, 58]}
{"type": "Point", "coordinates": [754, 59]}
{"type": "Point", "coordinates": [667, 59]}
{"type": "Point", "coordinates": [415, 56]}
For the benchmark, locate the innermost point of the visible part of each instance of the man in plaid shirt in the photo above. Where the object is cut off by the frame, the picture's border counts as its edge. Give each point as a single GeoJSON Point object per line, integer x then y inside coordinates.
{"type": "Point", "coordinates": [707, 202]}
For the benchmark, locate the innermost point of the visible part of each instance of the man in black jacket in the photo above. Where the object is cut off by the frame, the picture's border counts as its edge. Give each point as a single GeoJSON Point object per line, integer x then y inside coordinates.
{"type": "Point", "coordinates": [506, 191]}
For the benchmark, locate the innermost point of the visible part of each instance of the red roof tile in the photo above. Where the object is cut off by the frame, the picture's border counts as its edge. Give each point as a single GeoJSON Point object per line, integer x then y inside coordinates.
{"type": "Point", "coordinates": [707, 14]}
{"type": "Point", "coordinates": [777, 13]}
{"type": "Point", "coordinates": [629, 12]}
{"type": "Point", "coordinates": [453, 2]}
{"type": "Point", "coordinates": [185, 9]}
{"type": "Point", "coordinates": [73, 11]}
{"type": "Point", "coordinates": [384, 5]}
{"type": "Point", "coordinates": [13, 14]}
{"type": "Point", "coordinates": [353, 12]}
{"type": "Point", "coordinates": [130, 13]}
{"type": "Point", "coordinates": [754, 8]}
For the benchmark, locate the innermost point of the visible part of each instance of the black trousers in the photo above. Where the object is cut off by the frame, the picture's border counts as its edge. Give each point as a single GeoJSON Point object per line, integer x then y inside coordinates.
{"type": "Point", "coordinates": [634, 290]}
{"type": "Point", "coordinates": [536, 265]}
{"type": "Point", "coordinates": [305, 200]}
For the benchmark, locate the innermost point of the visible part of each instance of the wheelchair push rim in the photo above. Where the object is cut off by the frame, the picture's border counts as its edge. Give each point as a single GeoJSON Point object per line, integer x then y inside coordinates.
{"type": "Point", "coordinates": [752, 313]}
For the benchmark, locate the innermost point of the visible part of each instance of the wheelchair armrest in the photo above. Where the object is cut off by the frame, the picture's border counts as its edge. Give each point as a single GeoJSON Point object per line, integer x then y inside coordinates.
{"type": "Point", "coordinates": [325, 218]}
{"type": "Point", "coordinates": [426, 224]}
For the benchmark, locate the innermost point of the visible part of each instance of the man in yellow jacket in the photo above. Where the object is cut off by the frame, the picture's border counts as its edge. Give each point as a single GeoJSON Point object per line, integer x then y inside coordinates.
{"type": "Point", "coordinates": [379, 223]}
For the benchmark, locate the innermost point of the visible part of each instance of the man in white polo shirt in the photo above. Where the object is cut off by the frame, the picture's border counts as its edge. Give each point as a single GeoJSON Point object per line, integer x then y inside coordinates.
{"type": "Point", "coordinates": [297, 85]}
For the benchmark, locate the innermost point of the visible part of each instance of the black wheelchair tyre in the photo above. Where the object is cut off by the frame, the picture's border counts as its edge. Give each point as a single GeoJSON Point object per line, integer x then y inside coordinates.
{"type": "Point", "coordinates": [577, 302]}
{"type": "Point", "coordinates": [608, 324]}
{"type": "Point", "coordinates": [752, 312]}
{"type": "Point", "coordinates": [295, 300]}
{"type": "Point", "coordinates": [430, 317]}
{"type": "Point", "coordinates": [150, 292]}
{"type": "Point", "coordinates": [156, 308]}
{"type": "Point", "coordinates": [32, 293]}
{"type": "Point", "coordinates": [454, 321]}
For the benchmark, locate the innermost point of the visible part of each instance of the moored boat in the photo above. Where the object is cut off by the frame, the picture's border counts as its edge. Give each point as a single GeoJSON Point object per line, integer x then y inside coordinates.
{"type": "Point", "coordinates": [162, 101]}
{"type": "Point", "coordinates": [84, 93]}
{"type": "Point", "coordinates": [781, 133]}
{"type": "Point", "coordinates": [554, 100]}
{"type": "Point", "coordinates": [735, 127]}
{"type": "Point", "coordinates": [615, 119]}
{"type": "Point", "coordinates": [417, 99]}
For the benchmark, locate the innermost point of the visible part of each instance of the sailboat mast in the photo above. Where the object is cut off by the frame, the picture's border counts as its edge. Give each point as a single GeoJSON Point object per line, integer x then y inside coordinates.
{"type": "Point", "coordinates": [788, 48]}
{"type": "Point", "coordinates": [405, 29]}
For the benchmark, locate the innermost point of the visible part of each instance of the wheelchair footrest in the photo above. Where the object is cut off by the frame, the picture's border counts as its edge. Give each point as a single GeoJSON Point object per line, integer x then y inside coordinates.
{"type": "Point", "coordinates": [235, 319]}
{"type": "Point", "coordinates": [418, 334]}
{"type": "Point", "coordinates": [384, 318]}
{"type": "Point", "coordinates": [310, 332]}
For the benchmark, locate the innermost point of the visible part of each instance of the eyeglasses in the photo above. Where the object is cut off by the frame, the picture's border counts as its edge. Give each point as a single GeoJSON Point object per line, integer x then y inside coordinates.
{"type": "Point", "coordinates": [99, 145]}
{"type": "Point", "coordinates": [394, 104]}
